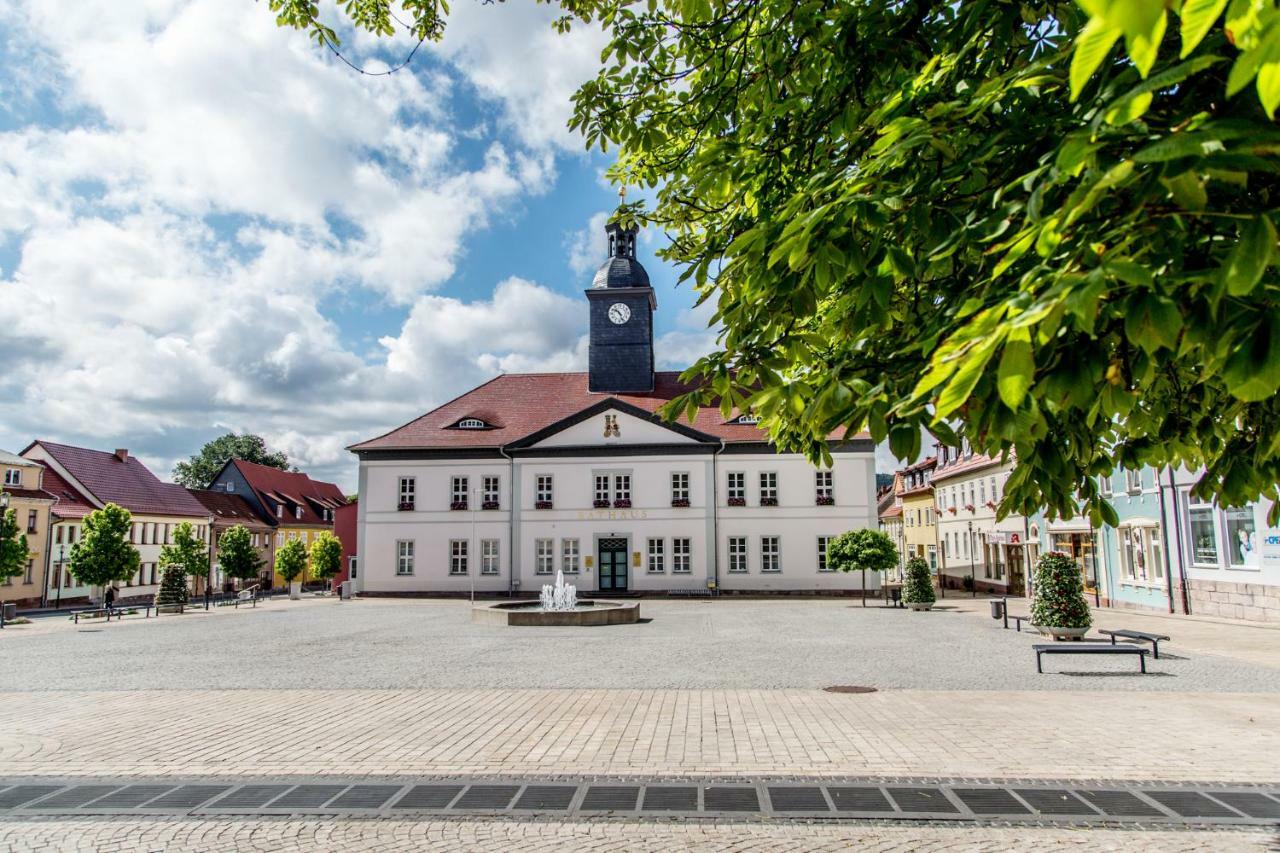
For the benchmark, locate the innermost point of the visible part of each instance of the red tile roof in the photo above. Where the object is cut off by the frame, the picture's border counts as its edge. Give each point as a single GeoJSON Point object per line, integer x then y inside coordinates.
{"type": "Point", "coordinates": [128, 483]}
{"type": "Point", "coordinates": [516, 405]}
{"type": "Point", "coordinates": [310, 494]}
{"type": "Point", "coordinates": [892, 511]}
{"type": "Point", "coordinates": [233, 509]}
{"type": "Point", "coordinates": [977, 462]}
{"type": "Point", "coordinates": [70, 504]}
{"type": "Point", "coordinates": [27, 494]}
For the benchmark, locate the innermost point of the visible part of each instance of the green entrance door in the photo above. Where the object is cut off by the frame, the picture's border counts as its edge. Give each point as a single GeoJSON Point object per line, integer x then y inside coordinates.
{"type": "Point", "coordinates": [613, 565]}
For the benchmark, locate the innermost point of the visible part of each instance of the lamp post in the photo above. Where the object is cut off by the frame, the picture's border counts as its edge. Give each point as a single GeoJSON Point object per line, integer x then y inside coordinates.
{"type": "Point", "coordinates": [973, 558]}
{"type": "Point", "coordinates": [4, 512]}
{"type": "Point", "coordinates": [62, 554]}
{"type": "Point", "coordinates": [472, 549]}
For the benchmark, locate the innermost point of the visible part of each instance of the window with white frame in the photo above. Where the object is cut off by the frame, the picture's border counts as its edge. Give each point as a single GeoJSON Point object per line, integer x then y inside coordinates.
{"type": "Point", "coordinates": [458, 556]}
{"type": "Point", "coordinates": [1204, 534]}
{"type": "Point", "coordinates": [823, 487]}
{"type": "Point", "coordinates": [602, 490]}
{"type": "Point", "coordinates": [1133, 481]}
{"type": "Point", "coordinates": [1133, 553]}
{"type": "Point", "coordinates": [297, 511]}
{"type": "Point", "coordinates": [470, 423]}
{"type": "Point", "coordinates": [544, 556]}
{"type": "Point", "coordinates": [737, 489]}
{"type": "Point", "coordinates": [982, 492]}
{"type": "Point", "coordinates": [489, 556]}
{"type": "Point", "coordinates": [460, 486]}
{"type": "Point", "coordinates": [769, 554]}
{"type": "Point", "coordinates": [570, 556]}
{"type": "Point", "coordinates": [404, 557]}
{"type": "Point", "coordinates": [823, 541]}
{"type": "Point", "coordinates": [544, 493]}
{"type": "Point", "coordinates": [13, 476]}
{"type": "Point", "coordinates": [352, 565]}
{"type": "Point", "coordinates": [680, 488]}
{"type": "Point", "coordinates": [621, 488]}
{"type": "Point", "coordinates": [657, 555]}
{"type": "Point", "coordinates": [681, 555]}
{"type": "Point", "coordinates": [1242, 539]}
{"type": "Point", "coordinates": [489, 492]}
{"type": "Point", "coordinates": [408, 492]}
{"type": "Point", "coordinates": [768, 488]}
{"type": "Point", "coordinates": [1104, 484]}
{"type": "Point", "coordinates": [737, 554]}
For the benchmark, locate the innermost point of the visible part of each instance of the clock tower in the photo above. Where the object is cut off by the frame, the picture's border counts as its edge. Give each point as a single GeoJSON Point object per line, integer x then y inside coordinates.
{"type": "Point", "coordinates": [622, 305]}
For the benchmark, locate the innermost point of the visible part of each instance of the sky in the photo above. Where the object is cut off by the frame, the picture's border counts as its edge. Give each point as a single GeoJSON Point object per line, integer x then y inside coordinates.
{"type": "Point", "coordinates": [210, 224]}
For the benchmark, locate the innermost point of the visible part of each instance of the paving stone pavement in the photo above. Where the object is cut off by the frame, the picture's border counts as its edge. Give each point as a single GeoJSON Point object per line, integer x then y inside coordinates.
{"type": "Point", "coordinates": [284, 833]}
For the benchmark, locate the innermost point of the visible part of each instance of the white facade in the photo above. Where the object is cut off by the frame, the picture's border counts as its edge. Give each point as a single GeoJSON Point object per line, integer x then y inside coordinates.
{"type": "Point", "coordinates": [972, 543]}
{"type": "Point", "coordinates": [666, 547]}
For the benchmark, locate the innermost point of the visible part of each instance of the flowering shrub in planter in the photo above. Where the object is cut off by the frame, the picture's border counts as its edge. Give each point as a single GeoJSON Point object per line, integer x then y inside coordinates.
{"type": "Point", "coordinates": [600, 504]}
{"type": "Point", "coordinates": [489, 505]}
{"type": "Point", "coordinates": [406, 506]}
{"type": "Point", "coordinates": [825, 500]}
{"type": "Point", "coordinates": [542, 504]}
{"type": "Point", "coordinates": [737, 501]}
{"type": "Point", "coordinates": [622, 503]}
{"type": "Point", "coordinates": [918, 589]}
{"type": "Point", "coordinates": [458, 505]}
{"type": "Point", "coordinates": [768, 502]}
{"type": "Point", "coordinates": [1059, 594]}
{"type": "Point", "coordinates": [680, 502]}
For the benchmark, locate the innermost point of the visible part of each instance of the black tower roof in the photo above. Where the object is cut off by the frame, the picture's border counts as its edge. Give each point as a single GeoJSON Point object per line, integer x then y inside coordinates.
{"type": "Point", "coordinates": [622, 269]}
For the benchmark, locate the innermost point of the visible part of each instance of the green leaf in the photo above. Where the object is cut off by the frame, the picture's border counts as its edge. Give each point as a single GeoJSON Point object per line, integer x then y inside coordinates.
{"type": "Point", "coordinates": [1091, 48]}
{"type": "Point", "coordinates": [1017, 367]}
{"type": "Point", "coordinates": [957, 391]}
{"type": "Point", "coordinates": [1144, 43]}
{"type": "Point", "coordinates": [1128, 109]}
{"type": "Point", "coordinates": [1197, 17]}
{"type": "Point", "coordinates": [1252, 372]}
{"type": "Point", "coordinates": [1152, 321]}
{"type": "Point", "coordinates": [1188, 191]}
{"type": "Point", "coordinates": [1250, 257]}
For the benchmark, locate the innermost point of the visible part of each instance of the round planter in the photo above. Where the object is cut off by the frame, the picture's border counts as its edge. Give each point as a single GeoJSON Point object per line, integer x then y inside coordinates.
{"type": "Point", "coordinates": [1062, 633]}
{"type": "Point", "coordinates": [920, 605]}
{"type": "Point", "coordinates": [295, 590]}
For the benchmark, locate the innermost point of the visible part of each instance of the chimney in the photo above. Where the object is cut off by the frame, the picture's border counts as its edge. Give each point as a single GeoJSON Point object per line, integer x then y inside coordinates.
{"type": "Point", "coordinates": [122, 454]}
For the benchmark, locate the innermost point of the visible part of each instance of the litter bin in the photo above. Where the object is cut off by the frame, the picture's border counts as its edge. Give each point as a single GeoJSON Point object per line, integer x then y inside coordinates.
{"type": "Point", "coordinates": [10, 611]}
{"type": "Point", "coordinates": [997, 608]}
{"type": "Point", "coordinates": [344, 589]}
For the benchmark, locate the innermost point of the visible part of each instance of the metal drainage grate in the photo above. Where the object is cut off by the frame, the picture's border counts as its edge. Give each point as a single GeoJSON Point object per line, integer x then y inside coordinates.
{"type": "Point", "coordinates": [667, 798]}
{"type": "Point", "coordinates": [1120, 804]}
{"type": "Point", "coordinates": [1190, 804]}
{"type": "Point", "coordinates": [487, 797]}
{"type": "Point", "coordinates": [1254, 805]}
{"type": "Point", "coordinates": [556, 797]}
{"type": "Point", "coordinates": [131, 797]}
{"type": "Point", "coordinates": [922, 800]}
{"type": "Point", "coordinates": [250, 797]}
{"type": "Point", "coordinates": [859, 799]}
{"type": "Point", "coordinates": [365, 797]}
{"type": "Point", "coordinates": [1055, 801]}
{"type": "Point", "coordinates": [78, 796]}
{"type": "Point", "coordinates": [730, 799]}
{"type": "Point", "coordinates": [611, 798]}
{"type": "Point", "coordinates": [990, 801]}
{"type": "Point", "coordinates": [848, 688]}
{"type": "Point", "coordinates": [428, 796]}
{"type": "Point", "coordinates": [22, 794]}
{"type": "Point", "coordinates": [798, 799]}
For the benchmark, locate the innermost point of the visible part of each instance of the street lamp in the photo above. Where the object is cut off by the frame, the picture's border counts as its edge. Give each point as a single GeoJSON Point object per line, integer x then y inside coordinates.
{"type": "Point", "coordinates": [472, 549]}
{"type": "Point", "coordinates": [973, 557]}
{"type": "Point", "coordinates": [4, 512]}
{"type": "Point", "coordinates": [62, 554]}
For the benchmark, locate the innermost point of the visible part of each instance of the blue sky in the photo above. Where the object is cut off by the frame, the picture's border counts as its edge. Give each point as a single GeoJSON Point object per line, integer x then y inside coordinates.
{"type": "Point", "coordinates": [208, 224]}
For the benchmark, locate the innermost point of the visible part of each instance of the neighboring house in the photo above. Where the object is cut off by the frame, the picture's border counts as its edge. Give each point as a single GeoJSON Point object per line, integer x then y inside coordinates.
{"type": "Point", "coordinates": [967, 488]}
{"type": "Point", "coordinates": [346, 527]}
{"type": "Point", "coordinates": [98, 478]}
{"type": "Point", "coordinates": [67, 526]}
{"type": "Point", "coordinates": [1133, 564]}
{"type": "Point", "coordinates": [30, 504]}
{"type": "Point", "coordinates": [889, 515]}
{"type": "Point", "coordinates": [919, 527]}
{"type": "Point", "coordinates": [227, 511]}
{"type": "Point", "coordinates": [532, 474]}
{"type": "Point", "coordinates": [297, 506]}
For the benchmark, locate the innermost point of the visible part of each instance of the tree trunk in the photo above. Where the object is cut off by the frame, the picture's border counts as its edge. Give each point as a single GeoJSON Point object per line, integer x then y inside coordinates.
{"type": "Point", "coordinates": [864, 587]}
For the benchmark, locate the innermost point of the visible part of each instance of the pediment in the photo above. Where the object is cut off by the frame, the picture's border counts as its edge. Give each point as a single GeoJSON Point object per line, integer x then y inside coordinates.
{"type": "Point", "coordinates": [613, 423]}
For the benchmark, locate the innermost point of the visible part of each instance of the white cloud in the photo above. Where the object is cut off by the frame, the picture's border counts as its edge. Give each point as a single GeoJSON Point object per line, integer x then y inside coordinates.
{"type": "Point", "coordinates": [588, 247]}
{"type": "Point", "coordinates": [693, 337]}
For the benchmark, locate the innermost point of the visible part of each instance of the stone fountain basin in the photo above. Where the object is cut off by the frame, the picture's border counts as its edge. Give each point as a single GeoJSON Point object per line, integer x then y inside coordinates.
{"type": "Point", "coordinates": [590, 611]}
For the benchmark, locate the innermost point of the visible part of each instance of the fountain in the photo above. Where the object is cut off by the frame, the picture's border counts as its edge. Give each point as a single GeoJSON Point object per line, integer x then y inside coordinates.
{"type": "Point", "coordinates": [562, 596]}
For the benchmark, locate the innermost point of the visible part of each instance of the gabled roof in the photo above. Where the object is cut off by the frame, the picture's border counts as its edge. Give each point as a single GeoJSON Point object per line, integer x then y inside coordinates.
{"type": "Point", "coordinates": [70, 503]}
{"type": "Point", "coordinates": [228, 507]}
{"type": "Point", "coordinates": [7, 458]}
{"type": "Point", "coordinates": [293, 489]}
{"type": "Point", "coordinates": [963, 466]}
{"type": "Point", "coordinates": [520, 405]}
{"type": "Point", "coordinates": [126, 481]}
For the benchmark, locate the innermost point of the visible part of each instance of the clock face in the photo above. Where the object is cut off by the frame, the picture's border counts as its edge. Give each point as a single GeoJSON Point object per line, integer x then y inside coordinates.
{"type": "Point", "coordinates": [619, 313]}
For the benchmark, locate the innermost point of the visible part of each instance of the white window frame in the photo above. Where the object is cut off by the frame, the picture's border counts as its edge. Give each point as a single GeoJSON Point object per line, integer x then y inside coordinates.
{"type": "Point", "coordinates": [738, 560]}
{"type": "Point", "coordinates": [1104, 485]}
{"type": "Point", "coordinates": [544, 556]}
{"type": "Point", "coordinates": [824, 484]}
{"type": "Point", "coordinates": [13, 477]}
{"type": "Point", "coordinates": [603, 488]}
{"type": "Point", "coordinates": [768, 486]}
{"type": "Point", "coordinates": [770, 555]}
{"type": "Point", "coordinates": [490, 556]}
{"type": "Point", "coordinates": [408, 490]}
{"type": "Point", "coordinates": [1133, 480]}
{"type": "Point", "coordinates": [459, 557]}
{"type": "Point", "coordinates": [491, 489]}
{"type": "Point", "coordinates": [570, 556]}
{"type": "Point", "coordinates": [657, 556]}
{"type": "Point", "coordinates": [404, 557]}
{"type": "Point", "coordinates": [823, 543]}
{"type": "Point", "coordinates": [471, 423]}
{"type": "Point", "coordinates": [353, 564]}
{"type": "Point", "coordinates": [736, 486]}
{"type": "Point", "coordinates": [1197, 508]}
{"type": "Point", "coordinates": [1232, 547]}
{"type": "Point", "coordinates": [681, 555]}
{"type": "Point", "coordinates": [544, 488]}
{"type": "Point", "coordinates": [460, 490]}
{"type": "Point", "coordinates": [621, 487]}
{"type": "Point", "coordinates": [679, 486]}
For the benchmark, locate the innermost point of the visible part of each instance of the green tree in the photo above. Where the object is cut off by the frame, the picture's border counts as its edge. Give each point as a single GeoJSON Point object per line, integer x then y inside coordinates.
{"type": "Point", "coordinates": [919, 586]}
{"type": "Point", "coordinates": [198, 471]}
{"type": "Point", "coordinates": [1059, 600]}
{"type": "Point", "coordinates": [173, 586]}
{"type": "Point", "coordinates": [187, 552]}
{"type": "Point", "coordinates": [13, 546]}
{"type": "Point", "coordinates": [103, 555]}
{"type": "Point", "coordinates": [326, 556]}
{"type": "Point", "coordinates": [236, 555]}
{"type": "Point", "coordinates": [291, 560]}
{"type": "Point", "coordinates": [862, 550]}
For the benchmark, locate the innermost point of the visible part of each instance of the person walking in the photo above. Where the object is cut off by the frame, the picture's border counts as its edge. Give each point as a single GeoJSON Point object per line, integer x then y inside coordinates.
{"type": "Point", "coordinates": [110, 600]}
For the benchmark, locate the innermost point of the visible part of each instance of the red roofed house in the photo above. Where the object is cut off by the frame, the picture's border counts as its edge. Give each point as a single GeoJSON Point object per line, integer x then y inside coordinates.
{"type": "Point", "coordinates": [85, 480]}
{"type": "Point", "coordinates": [345, 527]}
{"type": "Point", "coordinates": [23, 494]}
{"type": "Point", "coordinates": [297, 506]}
{"type": "Point", "coordinates": [532, 474]}
{"type": "Point", "coordinates": [231, 510]}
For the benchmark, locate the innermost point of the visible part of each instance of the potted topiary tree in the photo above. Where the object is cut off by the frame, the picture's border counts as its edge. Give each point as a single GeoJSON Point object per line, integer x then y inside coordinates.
{"type": "Point", "coordinates": [1059, 608]}
{"type": "Point", "coordinates": [862, 550]}
{"type": "Point", "coordinates": [173, 587]}
{"type": "Point", "coordinates": [917, 593]}
{"type": "Point", "coordinates": [291, 559]}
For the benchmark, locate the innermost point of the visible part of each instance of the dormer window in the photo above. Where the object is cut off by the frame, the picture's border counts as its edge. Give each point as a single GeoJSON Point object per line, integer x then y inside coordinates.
{"type": "Point", "coordinates": [471, 423]}
{"type": "Point", "coordinates": [297, 512]}
{"type": "Point", "coordinates": [279, 510]}
{"type": "Point", "coordinates": [231, 486]}
{"type": "Point", "coordinates": [747, 419]}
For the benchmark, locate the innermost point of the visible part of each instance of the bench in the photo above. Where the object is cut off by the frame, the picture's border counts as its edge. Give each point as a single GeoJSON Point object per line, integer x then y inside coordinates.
{"type": "Point", "coordinates": [179, 607]}
{"type": "Point", "coordinates": [679, 593]}
{"type": "Point", "coordinates": [1089, 649]}
{"type": "Point", "coordinates": [1153, 639]}
{"type": "Point", "coordinates": [93, 613]}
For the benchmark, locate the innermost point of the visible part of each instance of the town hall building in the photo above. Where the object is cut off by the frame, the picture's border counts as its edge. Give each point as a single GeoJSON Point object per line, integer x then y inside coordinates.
{"type": "Point", "coordinates": [530, 474]}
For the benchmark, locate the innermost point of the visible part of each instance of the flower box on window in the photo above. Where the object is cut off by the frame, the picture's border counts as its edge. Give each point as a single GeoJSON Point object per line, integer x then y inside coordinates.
{"type": "Point", "coordinates": [826, 500]}
{"type": "Point", "coordinates": [600, 504]}
{"type": "Point", "coordinates": [737, 501]}
{"type": "Point", "coordinates": [991, 504]}
{"type": "Point", "coordinates": [969, 507]}
{"type": "Point", "coordinates": [622, 503]}
{"type": "Point", "coordinates": [951, 510]}
{"type": "Point", "coordinates": [458, 505]}
{"type": "Point", "coordinates": [542, 504]}
{"type": "Point", "coordinates": [489, 505]}
{"type": "Point", "coordinates": [680, 502]}
{"type": "Point", "coordinates": [768, 502]}
{"type": "Point", "coordinates": [406, 506]}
